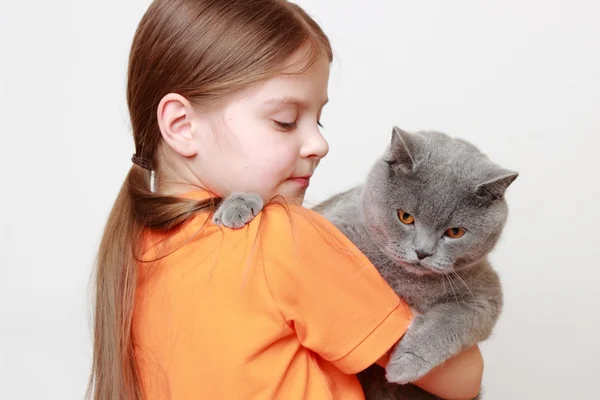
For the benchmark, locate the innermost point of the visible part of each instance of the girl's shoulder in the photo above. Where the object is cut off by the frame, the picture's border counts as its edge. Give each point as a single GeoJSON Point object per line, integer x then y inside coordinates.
{"type": "Point", "coordinates": [286, 226]}
{"type": "Point", "coordinates": [280, 216]}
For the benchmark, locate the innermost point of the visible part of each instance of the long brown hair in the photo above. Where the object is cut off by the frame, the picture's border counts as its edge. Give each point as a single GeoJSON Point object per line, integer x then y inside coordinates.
{"type": "Point", "coordinates": [206, 51]}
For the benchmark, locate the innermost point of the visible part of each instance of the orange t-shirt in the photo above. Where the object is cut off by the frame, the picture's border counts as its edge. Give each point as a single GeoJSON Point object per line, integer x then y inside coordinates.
{"type": "Point", "coordinates": [284, 308]}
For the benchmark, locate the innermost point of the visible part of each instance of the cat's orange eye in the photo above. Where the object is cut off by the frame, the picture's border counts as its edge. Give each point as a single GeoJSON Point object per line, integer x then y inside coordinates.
{"type": "Point", "coordinates": [455, 233]}
{"type": "Point", "coordinates": [405, 217]}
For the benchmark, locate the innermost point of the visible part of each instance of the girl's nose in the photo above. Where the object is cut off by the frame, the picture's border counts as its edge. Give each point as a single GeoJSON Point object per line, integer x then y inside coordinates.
{"type": "Point", "coordinates": [314, 145]}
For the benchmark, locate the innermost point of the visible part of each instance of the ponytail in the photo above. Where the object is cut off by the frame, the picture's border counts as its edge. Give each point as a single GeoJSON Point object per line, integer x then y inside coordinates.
{"type": "Point", "coordinates": [114, 371]}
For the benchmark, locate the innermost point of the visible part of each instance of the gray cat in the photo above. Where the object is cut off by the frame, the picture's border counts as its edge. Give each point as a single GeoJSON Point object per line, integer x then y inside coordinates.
{"type": "Point", "coordinates": [431, 210]}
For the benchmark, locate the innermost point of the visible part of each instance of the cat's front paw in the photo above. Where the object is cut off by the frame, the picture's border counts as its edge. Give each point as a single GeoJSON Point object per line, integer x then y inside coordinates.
{"type": "Point", "coordinates": [406, 368]}
{"type": "Point", "coordinates": [409, 360]}
{"type": "Point", "coordinates": [237, 210]}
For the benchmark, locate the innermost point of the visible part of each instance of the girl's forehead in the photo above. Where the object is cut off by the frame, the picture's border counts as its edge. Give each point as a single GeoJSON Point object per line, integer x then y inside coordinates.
{"type": "Point", "coordinates": [305, 90]}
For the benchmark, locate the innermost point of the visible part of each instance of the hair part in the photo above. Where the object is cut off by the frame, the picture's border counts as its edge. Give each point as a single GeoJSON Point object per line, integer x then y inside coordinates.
{"type": "Point", "coordinates": [206, 51]}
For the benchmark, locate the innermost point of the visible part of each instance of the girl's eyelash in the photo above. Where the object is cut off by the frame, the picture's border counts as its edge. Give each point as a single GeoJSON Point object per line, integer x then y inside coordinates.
{"type": "Point", "coordinates": [290, 125]}
{"type": "Point", "coordinates": [285, 125]}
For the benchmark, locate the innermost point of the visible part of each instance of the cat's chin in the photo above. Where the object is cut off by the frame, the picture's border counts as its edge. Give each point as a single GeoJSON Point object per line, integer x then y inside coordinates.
{"type": "Point", "coordinates": [418, 268]}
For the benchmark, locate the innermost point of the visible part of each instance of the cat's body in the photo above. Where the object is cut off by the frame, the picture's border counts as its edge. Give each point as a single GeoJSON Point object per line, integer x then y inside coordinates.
{"type": "Point", "coordinates": [464, 304]}
{"type": "Point", "coordinates": [427, 216]}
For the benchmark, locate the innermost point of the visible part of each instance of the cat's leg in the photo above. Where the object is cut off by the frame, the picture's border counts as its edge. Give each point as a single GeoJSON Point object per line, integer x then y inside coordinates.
{"type": "Point", "coordinates": [374, 384]}
{"type": "Point", "coordinates": [238, 209]}
{"type": "Point", "coordinates": [440, 333]}
{"type": "Point", "coordinates": [376, 387]}
{"type": "Point", "coordinates": [412, 392]}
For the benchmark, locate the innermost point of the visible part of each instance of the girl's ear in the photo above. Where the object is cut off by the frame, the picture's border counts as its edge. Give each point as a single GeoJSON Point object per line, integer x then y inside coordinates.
{"type": "Point", "coordinates": [174, 115]}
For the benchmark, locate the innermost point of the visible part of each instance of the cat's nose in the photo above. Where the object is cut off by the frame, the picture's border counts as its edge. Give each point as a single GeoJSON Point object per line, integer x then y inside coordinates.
{"type": "Point", "coordinates": [422, 254]}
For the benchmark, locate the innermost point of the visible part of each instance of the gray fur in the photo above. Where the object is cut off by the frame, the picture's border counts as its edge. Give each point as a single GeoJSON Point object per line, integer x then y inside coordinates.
{"type": "Point", "coordinates": [443, 183]}
{"type": "Point", "coordinates": [237, 210]}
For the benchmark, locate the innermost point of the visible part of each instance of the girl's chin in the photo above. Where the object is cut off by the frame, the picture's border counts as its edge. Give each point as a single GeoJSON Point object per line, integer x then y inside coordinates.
{"type": "Point", "coordinates": [295, 197]}
{"type": "Point", "coordinates": [297, 200]}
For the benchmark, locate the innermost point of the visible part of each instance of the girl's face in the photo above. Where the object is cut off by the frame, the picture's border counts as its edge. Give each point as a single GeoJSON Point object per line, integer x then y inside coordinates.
{"type": "Point", "coordinates": [266, 141]}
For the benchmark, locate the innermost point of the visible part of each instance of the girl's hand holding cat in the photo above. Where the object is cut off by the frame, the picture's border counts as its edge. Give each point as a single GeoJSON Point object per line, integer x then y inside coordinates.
{"type": "Point", "coordinates": [458, 378]}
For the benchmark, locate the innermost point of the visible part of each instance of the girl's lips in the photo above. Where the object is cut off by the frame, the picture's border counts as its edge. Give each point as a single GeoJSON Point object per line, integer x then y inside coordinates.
{"type": "Point", "coordinates": [303, 181]}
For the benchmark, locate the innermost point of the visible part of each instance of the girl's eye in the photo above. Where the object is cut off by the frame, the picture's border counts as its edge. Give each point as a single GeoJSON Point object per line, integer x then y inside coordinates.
{"type": "Point", "coordinates": [285, 125]}
{"type": "Point", "coordinates": [405, 217]}
{"type": "Point", "coordinates": [319, 123]}
{"type": "Point", "coordinates": [455, 233]}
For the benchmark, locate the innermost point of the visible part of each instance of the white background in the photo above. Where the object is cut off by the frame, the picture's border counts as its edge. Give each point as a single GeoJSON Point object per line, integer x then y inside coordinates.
{"type": "Point", "coordinates": [520, 79]}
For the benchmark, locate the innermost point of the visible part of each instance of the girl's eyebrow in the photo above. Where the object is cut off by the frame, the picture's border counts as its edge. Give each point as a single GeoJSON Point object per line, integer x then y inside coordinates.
{"type": "Point", "coordinates": [302, 104]}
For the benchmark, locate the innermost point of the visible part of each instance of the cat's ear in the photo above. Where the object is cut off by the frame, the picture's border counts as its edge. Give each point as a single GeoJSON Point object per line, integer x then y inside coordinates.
{"type": "Point", "coordinates": [494, 188]}
{"type": "Point", "coordinates": [401, 152]}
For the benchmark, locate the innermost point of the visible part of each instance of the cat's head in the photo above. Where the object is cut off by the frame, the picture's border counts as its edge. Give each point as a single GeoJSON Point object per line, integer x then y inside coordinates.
{"type": "Point", "coordinates": [434, 204]}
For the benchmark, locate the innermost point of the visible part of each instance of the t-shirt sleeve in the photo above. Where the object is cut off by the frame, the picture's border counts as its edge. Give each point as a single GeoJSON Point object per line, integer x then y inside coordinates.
{"type": "Point", "coordinates": [327, 290]}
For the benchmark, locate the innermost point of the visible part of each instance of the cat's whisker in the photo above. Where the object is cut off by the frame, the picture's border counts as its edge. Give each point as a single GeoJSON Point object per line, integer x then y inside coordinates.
{"type": "Point", "coordinates": [464, 283]}
{"type": "Point", "coordinates": [444, 282]}
{"type": "Point", "coordinates": [452, 287]}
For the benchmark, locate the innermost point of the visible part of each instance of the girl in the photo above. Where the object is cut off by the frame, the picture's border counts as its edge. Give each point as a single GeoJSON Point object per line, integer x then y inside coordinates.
{"type": "Point", "coordinates": [226, 96]}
